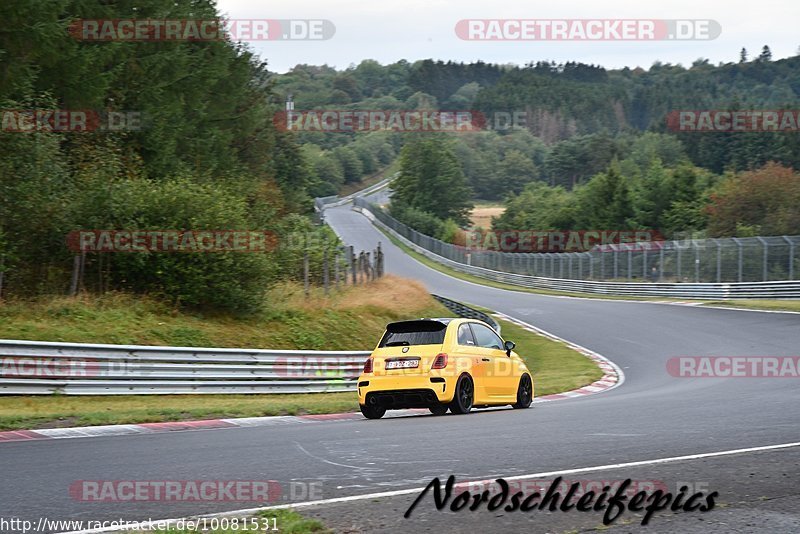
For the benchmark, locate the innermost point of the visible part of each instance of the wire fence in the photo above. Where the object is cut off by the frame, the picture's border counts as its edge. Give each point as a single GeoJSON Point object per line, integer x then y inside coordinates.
{"type": "Point", "coordinates": [749, 259]}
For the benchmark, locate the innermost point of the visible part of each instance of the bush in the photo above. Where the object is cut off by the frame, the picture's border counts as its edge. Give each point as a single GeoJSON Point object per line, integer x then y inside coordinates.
{"type": "Point", "coordinates": [234, 281]}
{"type": "Point", "coordinates": [421, 221]}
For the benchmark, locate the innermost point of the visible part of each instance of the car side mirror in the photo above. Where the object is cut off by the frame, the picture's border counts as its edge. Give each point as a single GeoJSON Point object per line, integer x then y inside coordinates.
{"type": "Point", "coordinates": [509, 346]}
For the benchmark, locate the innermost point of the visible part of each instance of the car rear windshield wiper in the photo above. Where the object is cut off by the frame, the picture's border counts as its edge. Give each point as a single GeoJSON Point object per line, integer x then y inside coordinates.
{"type": "Point", "coordinates": [396, 343]}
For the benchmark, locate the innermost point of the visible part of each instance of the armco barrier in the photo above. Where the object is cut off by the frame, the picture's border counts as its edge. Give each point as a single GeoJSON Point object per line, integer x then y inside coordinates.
{"type": "Point", "coordinates": [788, 289]}
{"type": "Point", "coordinates": [465, 311]}
{"type": "Point", "coordinates": [43, 368]}
{"type": "Point", "coordinates": [34, 367]}
{"type": "Point", "coordinates": [320, 203]}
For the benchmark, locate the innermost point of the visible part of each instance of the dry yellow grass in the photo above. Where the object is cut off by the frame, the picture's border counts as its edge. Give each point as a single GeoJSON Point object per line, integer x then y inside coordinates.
{"type": "Point", "coordinates": [351, 318]}
{"type": "Point", "coordinates": [481, 216]}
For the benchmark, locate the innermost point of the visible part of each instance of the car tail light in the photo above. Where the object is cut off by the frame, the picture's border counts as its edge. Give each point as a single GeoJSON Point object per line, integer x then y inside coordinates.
{"type": "Point", "coordinates": [368, 365]}
{"type": "Point", "coordinates": [440, 362]}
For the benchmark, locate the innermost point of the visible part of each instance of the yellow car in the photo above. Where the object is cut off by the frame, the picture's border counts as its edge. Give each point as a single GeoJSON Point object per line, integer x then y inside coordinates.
{"type": "Point", "coordinates": [438, 364]}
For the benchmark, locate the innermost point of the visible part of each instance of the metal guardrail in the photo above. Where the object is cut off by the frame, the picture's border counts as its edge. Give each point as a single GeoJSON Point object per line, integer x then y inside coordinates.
{"type": "Point", "coordinates": [45, 368]}
{"type": "Point", "coordinates": [785, 289]}
{"type": "Point", "coordinates": [462, 310]}
{"type": "Point", "coordinates": [320, 203]}
{"type": "Point", "coordinates": [36, 368]}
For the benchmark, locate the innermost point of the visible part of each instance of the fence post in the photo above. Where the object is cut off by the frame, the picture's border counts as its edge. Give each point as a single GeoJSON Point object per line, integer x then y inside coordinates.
{"type": "Point", "coordinates": [644, 263]}
{"type": "Point", "coordinates": [336, 256]}
{"type": "Point", "coordinates": [791, 262]}
{"type": "Point", "coordinates": [741, 261]}
{"type": "Point", "coordinates": [630, 264]}
{"type": "Point", "coordinates": [764, 243]}
{"type": "Point", "coordinates": [352, 261]}
{"type": "Point", "coordinates": [81, 284]}
{"type": "Point", "coordinates": [76, 269]}
{"type": "Point", "coordinates": [325, 280]}
{"type": "Point", "coordinates": [696, 261]}
{"type": "Point", "coordinates": [719, 261]}
{"type": "Point", "coordinates": [603, 265]}
{"type": "Point", "coordinates": [661, 261]}
{"type": "Point", "coordinates": [305, 271]}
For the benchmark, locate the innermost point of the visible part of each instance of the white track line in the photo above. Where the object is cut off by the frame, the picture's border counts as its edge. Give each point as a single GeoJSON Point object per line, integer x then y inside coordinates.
{"type": "Point", "coordinates": [574, 346]}
{"type": "Point", "coordinates": [396, 493]}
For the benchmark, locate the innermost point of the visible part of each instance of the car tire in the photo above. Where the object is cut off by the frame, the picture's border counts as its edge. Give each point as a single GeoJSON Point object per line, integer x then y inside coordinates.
{"type": "Point", "coordinates": [464, 396]}
{"type": "Point", "coordinates": [524, 393]}
{"type": "Point", "coordinates": [372, 412]}
{"type": "Point", "coordinates": [439, 409]}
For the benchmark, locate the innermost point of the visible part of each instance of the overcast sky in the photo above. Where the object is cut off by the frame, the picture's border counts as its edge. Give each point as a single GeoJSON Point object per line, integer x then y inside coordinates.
{"type": "Point", "coordinates": [390, 30]}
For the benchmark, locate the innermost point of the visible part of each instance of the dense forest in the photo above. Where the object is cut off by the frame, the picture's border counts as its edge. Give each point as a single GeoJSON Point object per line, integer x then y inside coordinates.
{"type": "Point", "coordinates": [594, 149]}
{"type": "Point", "coordinates": [206, 156]}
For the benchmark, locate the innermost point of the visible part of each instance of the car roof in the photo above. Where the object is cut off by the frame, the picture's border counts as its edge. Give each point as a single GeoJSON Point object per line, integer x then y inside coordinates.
{"type": "Point", "coordinates": [421, 322]}
{"type": "Point", "coordinates": [454, 320]}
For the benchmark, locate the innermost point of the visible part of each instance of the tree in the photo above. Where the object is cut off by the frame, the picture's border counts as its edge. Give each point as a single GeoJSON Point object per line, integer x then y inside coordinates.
{"type": "Point", "coordinates": [432, 181]}
{"type": "Point", "coordinates": [651, 195]}
{"type": "Point", "coordinates": [539, 207]}
{"type": "Point", "coordinates": [515, 171]}
{"type": "Point", "coordinates": [686, 188]}
{"type": "Point", "coordinates": [767, 199]}
{"type": "Point", "coordinates": [765, 55]}
{"type": "Point", "coordinates": [743, 55]}
{"type": "Point", "coordinates": [605, 201]}
{"type": "Point", "coordinates": [351, 165]}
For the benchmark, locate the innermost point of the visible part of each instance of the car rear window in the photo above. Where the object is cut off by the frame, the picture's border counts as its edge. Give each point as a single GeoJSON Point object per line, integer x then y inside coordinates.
{"type": "Point", "coordinates": [413, 333]}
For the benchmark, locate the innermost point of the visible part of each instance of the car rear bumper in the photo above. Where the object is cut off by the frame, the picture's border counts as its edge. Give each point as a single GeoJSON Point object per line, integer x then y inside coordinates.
{"type": "Point", "coordinates": [397, 392]}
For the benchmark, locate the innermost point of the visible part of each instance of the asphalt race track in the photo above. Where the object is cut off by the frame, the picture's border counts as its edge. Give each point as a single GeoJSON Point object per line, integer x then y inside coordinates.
{"type": "Point", "coordinates": [651, 416]}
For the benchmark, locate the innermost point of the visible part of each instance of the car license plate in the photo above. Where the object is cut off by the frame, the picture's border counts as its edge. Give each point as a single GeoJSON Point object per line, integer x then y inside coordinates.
{"type": "Point", "coordinates": [402, 364]}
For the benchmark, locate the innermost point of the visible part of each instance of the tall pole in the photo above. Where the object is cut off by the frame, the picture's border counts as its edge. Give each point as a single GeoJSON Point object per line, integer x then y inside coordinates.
{"type": "Point", "coordinates": [305, 271]}
{"type": "Point", "coordinates": [325, 268]}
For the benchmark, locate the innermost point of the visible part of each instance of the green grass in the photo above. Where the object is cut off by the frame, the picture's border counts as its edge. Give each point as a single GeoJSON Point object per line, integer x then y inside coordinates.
{"type": "Point", "coordinates": [51, 411]}
{"type": "Point", "coordinates": [555, 368]}
{"type": "Point", "coordinates": [349, 319]}
{"type": "Point", "coordinates": [776, 305]}
{"type": "Point", "coordinates": [283, 521]}
{"type": "Point", "coordinates": [290, 522]}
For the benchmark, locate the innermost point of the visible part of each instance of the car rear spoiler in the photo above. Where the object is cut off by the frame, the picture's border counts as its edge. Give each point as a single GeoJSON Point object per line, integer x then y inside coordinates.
{"type": "Point", "coordinates": [419, 325]}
